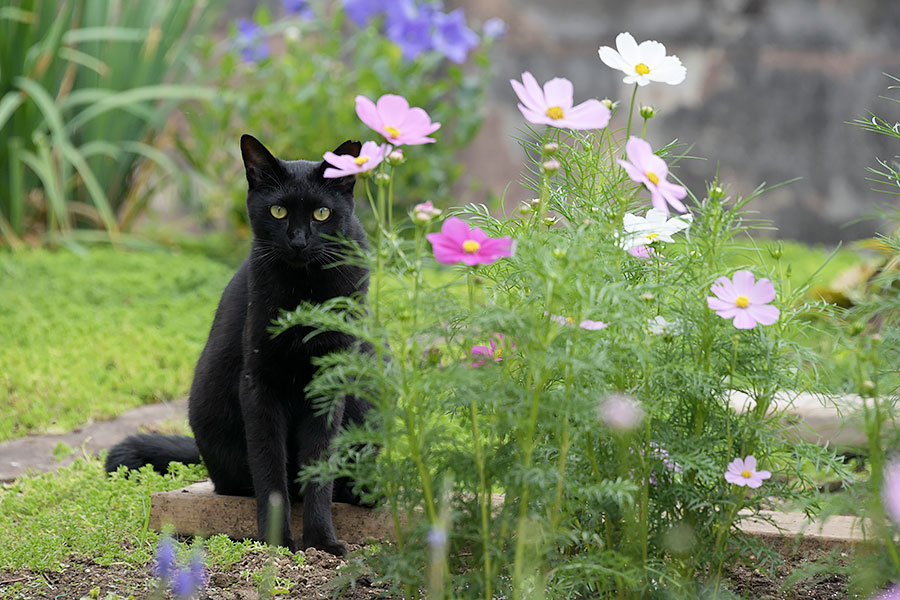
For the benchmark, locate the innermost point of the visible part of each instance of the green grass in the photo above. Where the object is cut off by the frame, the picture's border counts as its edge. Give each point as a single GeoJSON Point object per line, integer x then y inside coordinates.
{"type": "Point", "coordinates": [81, 512]}
{"type": "Point", "coordinates": [87, 337]}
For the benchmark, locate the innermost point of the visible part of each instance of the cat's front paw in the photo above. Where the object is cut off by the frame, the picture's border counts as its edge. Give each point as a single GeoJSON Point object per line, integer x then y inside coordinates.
{"type": "Point", "coordinates": [331, 546]}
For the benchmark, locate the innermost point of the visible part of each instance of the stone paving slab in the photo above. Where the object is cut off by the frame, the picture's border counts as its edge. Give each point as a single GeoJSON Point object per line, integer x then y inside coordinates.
{"type": "Point", "coordinates": [197, 510]}
{"type": "Point", "coordinates": [35, 453]}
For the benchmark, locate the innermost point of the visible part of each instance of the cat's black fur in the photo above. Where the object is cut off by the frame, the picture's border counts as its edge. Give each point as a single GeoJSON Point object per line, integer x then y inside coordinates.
{"type": "Point", "coordinates": [252, 423]}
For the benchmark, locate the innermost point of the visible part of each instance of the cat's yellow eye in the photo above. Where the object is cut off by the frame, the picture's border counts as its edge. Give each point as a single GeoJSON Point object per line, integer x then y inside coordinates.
{"type": "Point", "coordinates": [322, 213]}
{"type": "Point", "coordinates": [278, 211]}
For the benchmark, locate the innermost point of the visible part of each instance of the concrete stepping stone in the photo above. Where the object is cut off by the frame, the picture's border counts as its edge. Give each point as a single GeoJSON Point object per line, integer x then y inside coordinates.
{"type": "Point", "coordinates": [35, 453]}
{"type": "Point", "coordinates": [197, 510]}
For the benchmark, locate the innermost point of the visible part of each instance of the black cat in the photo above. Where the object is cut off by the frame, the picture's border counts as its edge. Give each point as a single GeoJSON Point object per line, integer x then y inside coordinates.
{"type": "Point", "coordinates": [252, 423]}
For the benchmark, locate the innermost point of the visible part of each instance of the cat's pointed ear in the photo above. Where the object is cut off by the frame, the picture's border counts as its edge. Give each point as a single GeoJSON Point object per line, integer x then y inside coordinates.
{"type": "Point", "coordinates": [261, 167]}
{"type": "Point", "coordinates": [351, 147]}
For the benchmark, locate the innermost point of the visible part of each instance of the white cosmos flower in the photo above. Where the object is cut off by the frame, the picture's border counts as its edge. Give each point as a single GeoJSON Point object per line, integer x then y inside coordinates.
{"type": "Point", "coordinates": [644, 62]}
{"type": "Point", "coordinates": [659, 326]}
{"type": "Point", "coordinates": [655, 227]}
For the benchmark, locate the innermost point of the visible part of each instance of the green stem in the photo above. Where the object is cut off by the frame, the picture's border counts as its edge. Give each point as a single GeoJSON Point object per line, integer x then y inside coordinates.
{"type": "Point", "coordinates": [630, 111]}
{"type": "Point", "coordinates": [484, 500]}
{"type": "Point", "coordinates": [470, 285]}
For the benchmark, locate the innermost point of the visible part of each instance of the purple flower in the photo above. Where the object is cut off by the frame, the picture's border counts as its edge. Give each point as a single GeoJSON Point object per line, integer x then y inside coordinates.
{"type": "Point", "coordinates": [361, 11]}
{"type": "Point", "coordinates": [494, 29]}
{"type": "Point", "coordinates": [892, 593]}
{"type": "Point", "coordinates": [452, 37]}
{"type": "Point", "coordinates": [744, 299]}
{"type": "Point", "coordinates": [493, 352]}
{"type": "Point", "coordinates": [164, 563]}
{"type": "Point", "coordinates": [891, 490]}
{"type": "Point", "coordinates": [412, 33]}
{"type": "Point", "coordinates": [743, 472]}
{"type": "Point", "coordinates": [250, 40]}
{"type": "Point", "coordinates": [298, 8]}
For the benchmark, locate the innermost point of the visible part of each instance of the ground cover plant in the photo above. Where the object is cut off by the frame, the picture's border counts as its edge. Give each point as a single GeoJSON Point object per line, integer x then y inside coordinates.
{"type": "Point", "coordinates": [87, 336]}
{"type": "Point", "coordinates": [585, 374]}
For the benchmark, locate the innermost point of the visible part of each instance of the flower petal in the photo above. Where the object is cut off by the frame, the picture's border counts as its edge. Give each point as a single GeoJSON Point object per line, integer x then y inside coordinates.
{"type": "Point", "coordinates": [724, 289]}
{"type": "Point", "coordinates": [368, 114]}
{"type": "Point", "coordinates": [639, 153]}
{"type": "Point", "coordinates": [559, 92]}
{"type": "Point", "coordinates": [750, 463]}
{"type": "Point", "coordinates": [628, 49]}
{"type": "Point", "coordinates": [763, 292]}
{"type": "Point", "coordinates": [456, 229]}
{"type": "Point", "coordinates": [590, 114]}
{"type": "Point", "coordinates": [535, 104]}
{"type": "Point", "coordinates": [392, 109]}
{"type": "Point", "coordinates": [613, 59]}
{"type": "Point", "coordinates": [743, 282]}
{"type": "Point", "coordinates": [764, 314]}
{"type": "Point", "coordinates": [743, 320]}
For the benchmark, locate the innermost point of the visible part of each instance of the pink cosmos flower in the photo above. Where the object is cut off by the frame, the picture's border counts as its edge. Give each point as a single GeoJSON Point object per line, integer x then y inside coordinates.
{"type": "Point", "coordinates": [457, 243]}
{"type": "Point", "coordinates": [647, 168]}
{"type": "Point", "coordinates": [395, 120]}
{"type": "Point", "coordinates": [370, 155]}
{"type": "Point", "coordinates": [744, 299]}
{"type": "Point", "coordinates": [621, 412]}
{"type": "Point", "coordinates": [553, 105]}
{"type": "Point", "coordinates": [585, 324]}
{"type": "Point", "coordinates": [743, 472]}
{"type": "Point", "coordinates": [892, 593]}
{"type": "Point", "coordinates": [891, 490]}
{"type": "Point", "coordinates": [493, 352]}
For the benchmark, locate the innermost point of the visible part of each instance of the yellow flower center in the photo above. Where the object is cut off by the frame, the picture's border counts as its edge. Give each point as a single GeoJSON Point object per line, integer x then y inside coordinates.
{"type": "Point", "coordinates": [471, 246]}
{"type": "Point", "coordinates": [742, 301]}
{"type": "Point", "coordinates": [641, 69]}
{"type": "Point", "coordinates": [361, 160]}
{"type": "Point", "coordinates": [652, 236]}
{"type": "Point", "coordinates": [498, 351]}
{"type": "Point", "coordinates": [570, 320]}
{"type": "Point", "coordinates": [653, 177]}
{"type": "Point", "coordinates": [393, 131]}
{"type": "Point", "coordinates": [555, 112]}
{"type": "Point", "coordinates": [746, 474]}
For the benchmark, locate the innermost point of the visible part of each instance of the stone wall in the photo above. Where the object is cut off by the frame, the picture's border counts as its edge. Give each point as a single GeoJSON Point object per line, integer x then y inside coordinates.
{"type": "Point", "coordinates": [770, 87]}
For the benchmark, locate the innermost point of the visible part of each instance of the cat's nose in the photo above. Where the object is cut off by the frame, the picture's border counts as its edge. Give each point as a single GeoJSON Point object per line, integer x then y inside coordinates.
{"type": "Point", "coordinates": [299, 242]}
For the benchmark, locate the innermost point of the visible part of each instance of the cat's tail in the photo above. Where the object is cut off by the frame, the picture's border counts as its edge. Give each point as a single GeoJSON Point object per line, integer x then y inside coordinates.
{"type": "Point", "coordinates": [152, 449]}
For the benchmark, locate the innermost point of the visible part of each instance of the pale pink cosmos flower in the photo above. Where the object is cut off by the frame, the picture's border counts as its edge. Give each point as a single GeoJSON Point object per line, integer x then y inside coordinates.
{"type": "Point", "coordinates": [743, 472]}
{"type": "Point", "coordinates": [892, 593]}
{"type": "Point", "coordinates": [647, 168]}
{"type": "Point", "coordinates": [891, 490]}
{"type": "Point", "coordinates": [620, 412]}
{"type": "Point", "coordinates": [744, 299]}
{"type": "Point", "coordinates": [425, 212]}
{"type": "Point", "coordinates": [592, 325]}
{"type": "Point", "coordinates": [370, 155]}
{"type": "Point", "coordinates": [553, 105]}
{"type": "Point", "coordinates": [457, 243]}
{"type": "Point", "coordinates": [494, 352]}
{"type": "Point", "coordinates": [393, 118]}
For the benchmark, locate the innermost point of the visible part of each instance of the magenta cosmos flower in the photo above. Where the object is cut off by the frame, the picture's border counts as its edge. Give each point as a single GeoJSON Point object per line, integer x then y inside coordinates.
{"type": "Point", "coordinates": [457, 243]}
{"type": "Point", "coordinates": [647, 168]}
{"type": "Point", "coordinates": [370, 155]}
{"type": "Point", "coordinates": [494, 352]}
{"type": "Point", "coordinates": [743, 472]}
{"type": "Point", "coordinates": [744, 299]}
{"type": "Point", "coordinates": [553, 104]}
{"type": "Point", "coordinates": [395, 120]}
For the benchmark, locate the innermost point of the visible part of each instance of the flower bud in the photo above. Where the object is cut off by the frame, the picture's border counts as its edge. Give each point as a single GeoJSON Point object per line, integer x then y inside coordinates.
{"type": "Point", "coordinates": [648, 112]}
{"type": "Point", "coordinates": [525, 208]}
{"type": "Point", "coordinates": [535, 202]}
{"type": "Point", "coordinates": [382, 179]}
{"type": "Point", "coordinates": [608, 103]}
{"type": "Point", "coordinates": [559, 252]}
{"type": "Point", "coordinates": [549, 221]}
{"type": "Point", "coordinates": [776, 251]}
{"type": "Point", "coordinates": [551, 148]}
{"type": "Point", "coordinates": [620, 412]}
{"type": "Point", "coordinates": [425, 212]}
{"type": "Point", "coordinates": [396, 157]}
{"type": "Point", "coordinates": [550, 166]}
{"type": "Point", "coordinates": [647, 297]}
